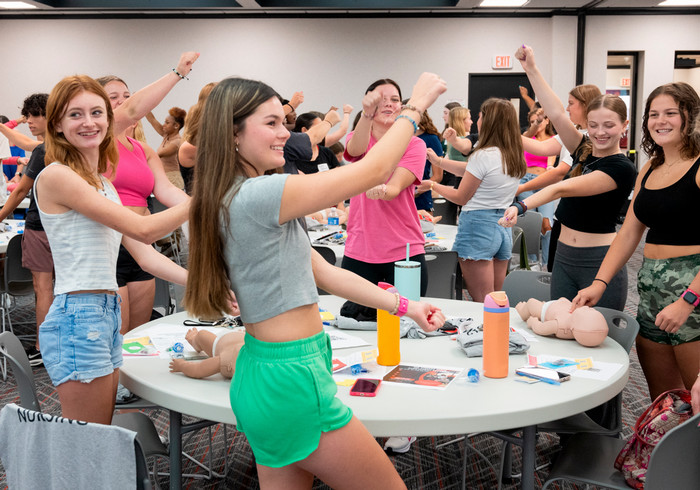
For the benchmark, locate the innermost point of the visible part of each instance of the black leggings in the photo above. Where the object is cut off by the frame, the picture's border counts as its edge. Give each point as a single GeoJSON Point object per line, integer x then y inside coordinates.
{"type": "Point", "coordinates": [376, 273]}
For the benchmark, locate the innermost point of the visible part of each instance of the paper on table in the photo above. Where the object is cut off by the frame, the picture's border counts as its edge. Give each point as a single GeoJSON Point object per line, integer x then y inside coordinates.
{"type": "Point", "coordinates": [528, 334]}
{"type": "Point", "coordinates": [342, 340]}
{"type": "Point", "coordinates": [164, 335]}
{"type": "Point", "coordinates": [600, 370]}
{"type": "Point", "coordinates": [435, 377]}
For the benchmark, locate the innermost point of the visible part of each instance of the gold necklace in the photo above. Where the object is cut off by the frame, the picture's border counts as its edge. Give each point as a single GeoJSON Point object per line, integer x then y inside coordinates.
{"type": "Point", "coordinates": [667, 166]}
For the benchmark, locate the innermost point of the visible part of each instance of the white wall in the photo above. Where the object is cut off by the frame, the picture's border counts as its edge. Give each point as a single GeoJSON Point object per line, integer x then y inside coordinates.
{"type": "Point", "coordinates": [331, 60]}
{"type": "Point", "coordinates": [656, 37]}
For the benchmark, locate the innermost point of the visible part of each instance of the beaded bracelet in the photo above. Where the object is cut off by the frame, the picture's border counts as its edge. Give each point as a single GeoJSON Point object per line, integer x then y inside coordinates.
{"type": "Point", "coordinates": [415, 126]}
{"type": "Point", "coordinates": [409, 107]}
{"type": "Point", "coordinates": [182, 77]}
{"type": "Point", "coordinates": [396, 306]}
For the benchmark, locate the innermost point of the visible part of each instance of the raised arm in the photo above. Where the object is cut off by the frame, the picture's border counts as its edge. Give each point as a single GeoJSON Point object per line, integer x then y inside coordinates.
{"type": "Point", "coordinates": [461, 195]}
{"type": "Point", "coordinates": [146, 99]}
{"type": "Point", "coordinates": [318, 132]}
{"type": "Point", "coordinates": [529, 101]}
{"type": "Point", "coordinates": [346, 284]}
{"type": "Point", "coordinates": [154, 262]}
{"type": "Point", "coordinates": [155, 123]}
{"type": "Point", "coordinates": [597, 182]}
{"type": "Point", "coordinates": [18, 139]}
{"type": "Point", "coordinates": [548, 99]}
{"type": "Point", "coordinates": [360, 137]}
{"type": "Point", "coordinates": [547, 148]}
{"type": "Point", "coordinates": [549, 177]}
{"type": "Point", "coordinates": [462, 145]}
{"type": "Point", "coordinates": [60, 189]}
{"type": "Point", "coordinates": [342, 130]}
{"type": "Point", "coordinates": [163, 189]}
{"type": "Point", "coordinates": [301, 196]}
{"type": "Point", "coordinates": [452, 166]}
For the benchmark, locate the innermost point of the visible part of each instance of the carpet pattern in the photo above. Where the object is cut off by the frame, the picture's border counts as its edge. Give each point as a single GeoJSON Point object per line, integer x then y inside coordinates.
{"type": "Point", "coordinates": [429, 464]}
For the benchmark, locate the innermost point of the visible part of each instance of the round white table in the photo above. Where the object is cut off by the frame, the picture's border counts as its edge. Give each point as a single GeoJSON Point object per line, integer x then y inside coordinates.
{"type": "Point", "coordinates": [489, 405]}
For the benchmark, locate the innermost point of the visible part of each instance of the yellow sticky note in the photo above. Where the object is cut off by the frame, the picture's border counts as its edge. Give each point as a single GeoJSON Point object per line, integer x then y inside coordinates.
{"type": "Point", "coordinates": [345, 382]}
{"type": "Point", "coordinates": [327, 316]}
{"type": "Point", "coordinates": [584, 364]}
{"type": "Point", "coordinates": [369, 355]}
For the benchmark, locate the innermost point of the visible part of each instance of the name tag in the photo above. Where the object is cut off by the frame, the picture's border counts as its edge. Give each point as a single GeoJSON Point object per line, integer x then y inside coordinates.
{"type": "Point", "coordinates": [322, 167]}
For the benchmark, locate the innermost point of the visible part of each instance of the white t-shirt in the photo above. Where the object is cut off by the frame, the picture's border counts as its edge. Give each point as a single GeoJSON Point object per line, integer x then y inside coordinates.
{"type": "Point", "coordinates": [4, 148]}
{"type": "Point", "coordinates": [497, 189]}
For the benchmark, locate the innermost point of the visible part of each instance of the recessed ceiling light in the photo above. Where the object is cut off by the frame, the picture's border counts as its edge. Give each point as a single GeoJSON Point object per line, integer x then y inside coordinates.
{"type": "Point", "coordinates": [16, 5]}
{"type": "Point", "coordinates": [503, 3]}
{"type": "Point", "coordinates": [680, 3]}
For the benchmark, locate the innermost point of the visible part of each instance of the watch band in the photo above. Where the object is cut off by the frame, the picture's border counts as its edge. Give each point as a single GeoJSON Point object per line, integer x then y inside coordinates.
{"type": "Point", "coordinates": [688, 296]}
{"type": "Point", "coordinates": [403, 306]}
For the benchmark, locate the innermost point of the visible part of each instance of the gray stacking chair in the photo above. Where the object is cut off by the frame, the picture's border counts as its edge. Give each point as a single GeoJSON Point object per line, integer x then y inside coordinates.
{"type": "Point", "coordinates": [443, 268]}
{"type": "Point", "coordinates": [590, 458]}
{"type": "Point", "coordinates": [521, 285]}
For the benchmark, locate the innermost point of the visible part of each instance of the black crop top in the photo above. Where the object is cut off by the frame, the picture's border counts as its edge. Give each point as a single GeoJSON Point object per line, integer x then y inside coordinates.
{"type": "Point", "coordinates": [665, 211]}
{"type": "Point", "coordinates": [598, 213]}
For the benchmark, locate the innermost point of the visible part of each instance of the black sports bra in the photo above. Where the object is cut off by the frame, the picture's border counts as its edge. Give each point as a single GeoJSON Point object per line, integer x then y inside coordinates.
{"type": "Point", "coordinates": [666, 211]}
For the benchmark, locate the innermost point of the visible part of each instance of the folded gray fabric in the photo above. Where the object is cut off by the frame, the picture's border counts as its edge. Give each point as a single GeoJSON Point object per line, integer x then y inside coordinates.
{"type": "Point", "coordinates": [472, 343]}
{"type": "Point", "coordinates": [409, 328]}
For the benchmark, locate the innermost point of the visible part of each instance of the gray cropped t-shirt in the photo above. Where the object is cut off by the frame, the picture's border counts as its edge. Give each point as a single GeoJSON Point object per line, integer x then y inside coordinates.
{"type": "Point", "coordinates": [269, 264]}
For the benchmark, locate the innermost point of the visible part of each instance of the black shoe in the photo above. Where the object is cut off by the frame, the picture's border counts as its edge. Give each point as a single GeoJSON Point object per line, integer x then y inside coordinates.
{"type": "Point", "coordinates": [34, 357]}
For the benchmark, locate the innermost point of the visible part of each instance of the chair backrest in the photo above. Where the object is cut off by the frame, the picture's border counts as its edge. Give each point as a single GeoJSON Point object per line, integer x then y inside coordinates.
{"type": "Point", "coordinates": [326, 253]}
{"type": "Point", "coordinates": [12, 349]}
{"type": "Point", "coordinates": [521, 285]}
{"type": "Point", "coordinates": [674, 462]}
{"type": "Point", "coordinates": [622, 328]}
{"type": "Point", "coordinates": [446, 209]}
{"type": "Point", "coordinates": [18, 280]}
{"type": "Point", "coordinates": [73, 454]}
{"type": "Point", "coordinates": [531, 223]}
{"type": "Point", "coordinates": [163, 300]}
{"type": "Point", "coordinates": [443, 268]}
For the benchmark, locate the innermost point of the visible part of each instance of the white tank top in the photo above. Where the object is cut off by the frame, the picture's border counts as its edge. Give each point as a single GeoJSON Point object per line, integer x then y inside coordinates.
{"type": "Point", "coordinates": [84, 251]}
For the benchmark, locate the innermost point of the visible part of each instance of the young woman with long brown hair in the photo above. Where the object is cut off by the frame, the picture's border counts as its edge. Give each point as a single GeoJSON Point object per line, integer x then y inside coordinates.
{"type": "Point", "coordinates": [245, 235]}
{"type": "Point", "coordinates": [487, 188]}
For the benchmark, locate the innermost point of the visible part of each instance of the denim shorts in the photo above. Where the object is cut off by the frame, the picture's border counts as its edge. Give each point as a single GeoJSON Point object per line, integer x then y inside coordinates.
{"type": "Point", "coordinates": [480, 237]}
{"type": "Point", "coordinates": [80, 339]}
{"type": "Point", "coordinates": [283, 396]}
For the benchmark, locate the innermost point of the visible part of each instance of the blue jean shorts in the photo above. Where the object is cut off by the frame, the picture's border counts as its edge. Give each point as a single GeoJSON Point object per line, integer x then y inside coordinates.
{"type": "Point", "coordinates": [480, 237]}
{"type": "Point", "coordinates": [80, 339]}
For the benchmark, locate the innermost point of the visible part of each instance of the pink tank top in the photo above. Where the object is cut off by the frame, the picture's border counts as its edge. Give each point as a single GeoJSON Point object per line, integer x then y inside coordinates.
{"type": "Point", "coordinates": [535, 160]}
{"type": "Point", "coordinates": [134, 181]}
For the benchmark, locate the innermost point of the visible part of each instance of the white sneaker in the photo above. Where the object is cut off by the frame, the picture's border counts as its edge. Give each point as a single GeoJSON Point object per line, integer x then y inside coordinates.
{"type": "Point", "coordinates": [399, 444]}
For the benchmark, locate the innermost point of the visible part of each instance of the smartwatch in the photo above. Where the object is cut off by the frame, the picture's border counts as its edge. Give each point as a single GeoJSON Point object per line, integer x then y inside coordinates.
{"type": "Point", "coordinates": [691, 297]}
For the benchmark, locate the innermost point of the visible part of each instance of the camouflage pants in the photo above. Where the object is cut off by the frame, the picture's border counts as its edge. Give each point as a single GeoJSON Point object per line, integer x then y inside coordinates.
{"type": "Point", "coordinates": [660, 282]}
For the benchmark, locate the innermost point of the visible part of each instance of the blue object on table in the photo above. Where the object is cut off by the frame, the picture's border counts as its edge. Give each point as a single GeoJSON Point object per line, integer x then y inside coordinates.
{"type": "Point", "coordinates": [177, 349]}
{"type": "Point", "coordinates": [357, 369]}
{"type": "Point", "coordinates": [473, 375]}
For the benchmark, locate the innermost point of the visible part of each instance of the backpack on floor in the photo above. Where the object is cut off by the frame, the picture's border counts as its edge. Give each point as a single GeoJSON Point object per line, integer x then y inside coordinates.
{"type": "Point", "coordinates": [669, 410]}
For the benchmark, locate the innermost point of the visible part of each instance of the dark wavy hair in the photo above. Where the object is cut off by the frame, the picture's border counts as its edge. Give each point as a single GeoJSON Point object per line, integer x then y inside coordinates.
{"type": "Point", "coordinates": [689, 106]}
{"type": "Point", "coordinates": [35, 105]}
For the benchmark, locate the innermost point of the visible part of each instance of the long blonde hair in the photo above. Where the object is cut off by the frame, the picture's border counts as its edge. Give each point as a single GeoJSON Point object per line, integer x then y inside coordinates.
{"type": "Point", "coordinates": [194, 116]}
{"type": "Point", "coordinates": [456, 120]}
{"type": "Point", "coordinates": [500, 129]}
{"type": "Point", "coordinates": [219, 165]}
{"type": "Point", "coordinates": [58, 149]}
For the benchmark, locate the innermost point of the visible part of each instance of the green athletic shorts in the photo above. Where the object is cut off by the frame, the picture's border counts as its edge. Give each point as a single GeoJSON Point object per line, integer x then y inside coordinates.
{"type": "Point", "coordinates": [283, 396]}
{"type": "Point", "coordinates": [660, 282]}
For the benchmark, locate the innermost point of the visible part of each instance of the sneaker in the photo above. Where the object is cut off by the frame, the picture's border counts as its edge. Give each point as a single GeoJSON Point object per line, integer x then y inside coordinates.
{"type": "Point", "coordinates": [34, 357]}
{"type": "Point", "coordinates": [399, 444]}
{"type": "Point", "coordinates": [124, 396]}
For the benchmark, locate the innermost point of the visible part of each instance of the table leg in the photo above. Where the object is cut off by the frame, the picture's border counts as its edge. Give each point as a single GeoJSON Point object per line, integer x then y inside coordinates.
{"type": "Point", "coordinates": [527, 480]}
{"type": "Point", "coordinates": [175, 450]}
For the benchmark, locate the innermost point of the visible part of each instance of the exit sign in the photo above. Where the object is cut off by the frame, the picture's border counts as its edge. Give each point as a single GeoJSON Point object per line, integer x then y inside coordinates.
{"type": "Point", "coordinates": [625, 82]}
{"type": "Point", "coordinates": [502, 62]}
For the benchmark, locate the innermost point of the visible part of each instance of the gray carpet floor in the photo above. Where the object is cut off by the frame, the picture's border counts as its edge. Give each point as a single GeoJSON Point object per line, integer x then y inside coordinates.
{"type": "Point", "coordinates": [428, 465]}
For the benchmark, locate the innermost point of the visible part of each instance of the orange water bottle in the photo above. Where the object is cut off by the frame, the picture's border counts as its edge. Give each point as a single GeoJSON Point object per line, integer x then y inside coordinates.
{"type": "Point", "coordinates": [388, 334]}
{"type": "Point", "coordinates": [496, 332]}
